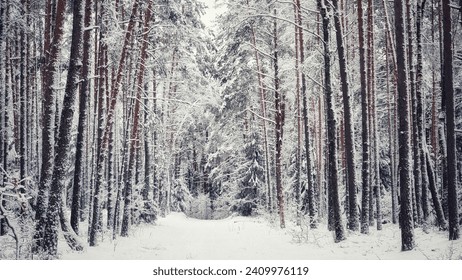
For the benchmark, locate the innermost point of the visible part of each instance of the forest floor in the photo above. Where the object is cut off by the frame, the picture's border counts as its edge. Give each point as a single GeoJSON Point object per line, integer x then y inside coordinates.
{"type": "Point", "coordinates": [177, 237]}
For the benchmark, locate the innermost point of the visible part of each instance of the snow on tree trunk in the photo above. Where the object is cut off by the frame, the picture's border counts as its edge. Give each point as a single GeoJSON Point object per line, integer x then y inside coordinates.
{"type": "Point", "coordinates": [310, 191]}
{"type": "Point", "coordinates": [135, 129]}
{"type": "Point", "coordinates": [103, 144]}
{"type": "Point", "coordinates": [448, 93]}
{"type": "Point", "coordinates": [51, 50]}
{"type": "Point", "coordinates": [63, 147]}
{"type": "Point", "coordinates": [353, 217]}
{"type": "Point", "coordinates": [406, 212]}
{"type": "Point", "coordinates": [279, 107]}
{"type": "Point", "coordinates": [365, 134]}
{"type": "Point", "coordinates": [83, 113]}
{"type": "Point", "coordinates": [331, 132]}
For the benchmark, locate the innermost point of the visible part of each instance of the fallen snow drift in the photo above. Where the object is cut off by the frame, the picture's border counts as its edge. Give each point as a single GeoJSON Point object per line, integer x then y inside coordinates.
{"type": "Point", "coordinates": [178, 237]}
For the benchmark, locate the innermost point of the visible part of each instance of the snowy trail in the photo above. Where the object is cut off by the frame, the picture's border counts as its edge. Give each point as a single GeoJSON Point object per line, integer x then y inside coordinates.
{"type": "Point", "coordinates": [178, 237]}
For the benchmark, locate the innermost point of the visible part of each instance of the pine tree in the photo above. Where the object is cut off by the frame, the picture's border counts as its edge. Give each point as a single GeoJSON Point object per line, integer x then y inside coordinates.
{"type": "Point", "coordinates": [331, 131]}
{"type": "Point", "coordinates": [83, 121]}
{"type": "Point", "coordinates": [365, 127]}
{"type": "Point", "coordinates": [448, 93]}
{"type": "Point", "coordinates": [51, 49]}
{"type": "Point", "coordinates": [56, 203]}
{"type": "Point", "coordinates": [353, 217]}
{"type": "Point", "coordinates": [406, 214]}
{"type": "Point", "coordinates": [252, 181]}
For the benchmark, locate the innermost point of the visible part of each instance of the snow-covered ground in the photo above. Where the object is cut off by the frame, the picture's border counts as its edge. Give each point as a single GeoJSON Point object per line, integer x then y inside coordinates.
{"type": "Point", "coordinates": [178, 237]}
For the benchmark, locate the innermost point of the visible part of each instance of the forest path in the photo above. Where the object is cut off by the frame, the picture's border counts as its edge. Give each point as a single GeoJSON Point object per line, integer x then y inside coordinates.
{"type": "Point", "coordinates": [178, 237]}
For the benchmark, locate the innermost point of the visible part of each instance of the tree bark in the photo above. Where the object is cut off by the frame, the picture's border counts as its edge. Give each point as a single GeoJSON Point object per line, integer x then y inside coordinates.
{"type": "Point", "coordinates": [310, 192]}
{"type": "Point", "coordinates": [406, 218]}
{"type": "Point", "coordinates": [262, 92]}
{"type": "Point", "coordinates": [353, 217]}
{"type": "Point", "coordinates": [420, 109]}
{"type": "Point", "coordinates": [49, 76]}
{"type": "Point", "coordinates": [365, 134]}
{"type": "Point", "coordinates": [279, 118]}
{"type": "Point", "coordinates": [134, 144]}
{"type": "Point", "coordinates": [331, 131]}
{"type": "Point", "coordinates": [63, 147]}
{"type": "Point", "coordinates": [103, 145]}
{"type": "Point", "coordinates": [83, 113]}
{"type": "Point", "coordinates": [448, 93]}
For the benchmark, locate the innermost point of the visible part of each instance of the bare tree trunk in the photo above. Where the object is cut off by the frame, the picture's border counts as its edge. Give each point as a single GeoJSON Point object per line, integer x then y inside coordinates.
{"type": "Point", "coordinates": [262, 91]}
{"type": "Point", "coordinates": [310, 192]}
{"type": "Point", "coordinates": [406, 219]}
{"type": "Point", "coordinates": [298, 186]}
{"type": "Point", "coordinates": [353, 221]}
{"type": "Point", "coordinates": [22, 96]}
{"type": "Point", "coordinates": [365, 134]}
{"type": "Point", "coordinates": [279, 106]}
{"type": "Point", "coordinates": [420, 117]}
{"type": "Point", "coordinates": [65, 129]}
{"type": "Point", "coordinates": [448, 93]}
{"type": "Point", "coordinates": [135, 129]}
{"type": "Point", "coordinates": [103, 145]}
{"type": "Point", "coordinates": [83, 113]}
{"type": "Point", "coordinates": [5, 101]}
{"type": "Point", "coordinates": [49, 74]}
{"type": "Point", "coordinates": [331, 131]}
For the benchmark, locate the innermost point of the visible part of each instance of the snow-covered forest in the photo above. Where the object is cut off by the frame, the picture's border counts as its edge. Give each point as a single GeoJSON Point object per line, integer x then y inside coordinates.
{"type": "Point", "coordinates": [293, 118]}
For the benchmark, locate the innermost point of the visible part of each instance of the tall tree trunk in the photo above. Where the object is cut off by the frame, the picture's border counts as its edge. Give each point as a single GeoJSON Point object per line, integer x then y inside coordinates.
{"type": "Point", "coordinates": [23, 95]}
{"type": "Point", "coordinates": [406, 219]}
{"type": "Point", "coordinates": [353, 217]}
{"type": "Point", "coordinates": [5, 101]}
{"type": "Point", "coordinates": [310, 192]}
{"type": "Point", "coordinates": [49, 76]}
{"type": "Point", "coordinates": [279, 117]}
{"type": "Point", "coordinates": [103, 145]}
{"type": "Point", "coordinates": [391, 140]}
{"type": "Point", "coordinates": [262, 92]}
{"type": "Point", "coordinates": [417, 172]}
{"type": "Point", "coordinates": [63, 147]}
{"type": "Point", "coordinates": [365, 134]}
{"type": "Point", "coordinates": [448, 93]}
{"type": "Point", "coordinates": [298, 150]}
{"type": "Point", "coordinates": [135, 129]}
{"type": "Point", "coordinates": [370, 92]}
{"type": "Point", "coordinates": [331, 131]}
{"type": "Point", "coordinates": [83, 113]}
{"type": "Point", "coordinates": [420, 116]}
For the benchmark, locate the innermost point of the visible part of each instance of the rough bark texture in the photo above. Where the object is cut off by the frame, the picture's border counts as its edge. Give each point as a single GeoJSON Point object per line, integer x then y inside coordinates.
{"type": "Point", "coordinates": [406, 218]}
{"type": "Point", "coordinates": [83, 113]}
{"type": "Point", "coordinates": [103, 145]}
{"type": "Point", "coordinates": [262, 93]}
{"type": "Point", "coordinates": [448, 93]}
{"type": "Point", "coordinates": [353, 217]}
{"type": "Point", "coordinates": [365, 134]}
{"type": "Point", "coordinates": [63, 148]}
{"type": "Point", "coordinates": [135, 129]}
{"type": "Point", "coordinates": [279, 118]}
{"type": "Point", "coordinates": [49, 75]}
{"type": "Point", "coordinates": [4, 95]}
{"type": "Point", "coordinates": [311, 190]}
{"type": "Point", "coordinates": [331, 132]}
{"type": "Point", "coordinates": [420, 109]}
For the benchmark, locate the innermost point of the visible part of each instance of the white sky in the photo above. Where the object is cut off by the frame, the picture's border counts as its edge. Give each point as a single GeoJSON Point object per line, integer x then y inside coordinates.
{"type": "Point", "coordinates": [211, 12]}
